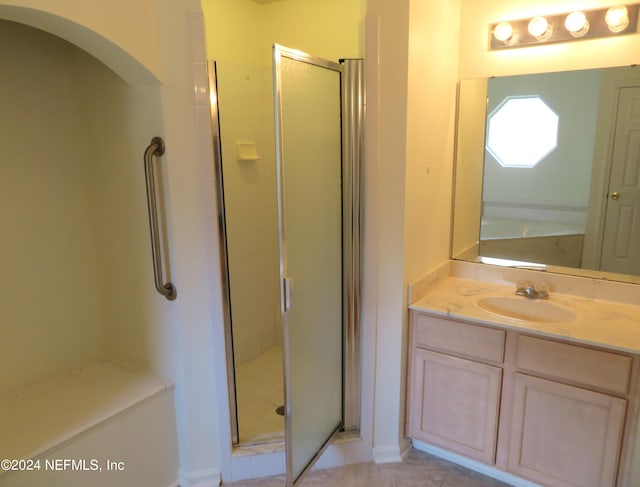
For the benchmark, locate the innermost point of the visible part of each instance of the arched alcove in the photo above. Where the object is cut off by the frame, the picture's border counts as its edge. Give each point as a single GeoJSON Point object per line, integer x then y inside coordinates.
{"type": "Point", "coordinates": [108, 52]}
{"type": "Point", "coordinates": [78, 303]}
{"type": "Point", "coordinates": [74, 206]}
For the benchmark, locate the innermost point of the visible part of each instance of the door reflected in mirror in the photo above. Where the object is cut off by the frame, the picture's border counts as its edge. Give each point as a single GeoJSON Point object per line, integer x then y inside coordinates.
{"type": "Point", "coordinates": [559, 185]}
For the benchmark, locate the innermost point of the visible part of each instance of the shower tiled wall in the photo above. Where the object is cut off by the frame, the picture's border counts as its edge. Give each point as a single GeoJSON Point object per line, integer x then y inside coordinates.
{"type": "Point", "coordinates": [205, 149]}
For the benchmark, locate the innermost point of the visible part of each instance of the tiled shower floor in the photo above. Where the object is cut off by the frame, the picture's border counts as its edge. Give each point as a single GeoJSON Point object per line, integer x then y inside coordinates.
{"type": "Point", "coordinates": [259, 391]}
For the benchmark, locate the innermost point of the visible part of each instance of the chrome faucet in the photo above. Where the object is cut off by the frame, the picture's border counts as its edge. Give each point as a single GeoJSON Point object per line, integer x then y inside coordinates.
{"type": "Point", "coordinates": [528, 290]}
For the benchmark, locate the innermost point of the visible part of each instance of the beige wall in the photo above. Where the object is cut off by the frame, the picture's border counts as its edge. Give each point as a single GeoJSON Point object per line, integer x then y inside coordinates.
{"type": "Point", "coordinates": [233, 30]}
{"type": "Point", "coordinates": [325, 28]}
{"type": "Point", "coordinates": [430, 128]}
{"type": "Point", "coordinates": [244, 30]}
{"type": "Point", "coordinates": [411, 113]}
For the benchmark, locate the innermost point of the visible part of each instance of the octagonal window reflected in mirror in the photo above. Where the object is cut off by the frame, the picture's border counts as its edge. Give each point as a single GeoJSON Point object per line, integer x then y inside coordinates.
{"type": "Point", "coordinates": [522, 131]}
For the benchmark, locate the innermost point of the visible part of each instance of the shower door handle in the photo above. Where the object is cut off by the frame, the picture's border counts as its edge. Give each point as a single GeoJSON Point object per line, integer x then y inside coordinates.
{"type": "Point", "coordinates": [156, 148]}
{"type": "Point", "coordinates": [287, 284]}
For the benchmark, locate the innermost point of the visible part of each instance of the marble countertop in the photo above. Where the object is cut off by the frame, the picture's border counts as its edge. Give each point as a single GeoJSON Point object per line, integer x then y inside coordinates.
{"type": "Point", "coordinates": [598, 322]}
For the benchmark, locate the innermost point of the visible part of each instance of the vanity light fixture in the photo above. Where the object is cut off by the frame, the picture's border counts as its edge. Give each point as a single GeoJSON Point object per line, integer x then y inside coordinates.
{"type": "Point", "coordinates": [581, 24]}
{"type": "Point", "coordinates": [503, 31]}
{"type": "Point", "coordinates": [539, 28]}
{"type": "Point", "coordinates": [577, 24]}
{"type": "Point", "coordinates": [617, 18]}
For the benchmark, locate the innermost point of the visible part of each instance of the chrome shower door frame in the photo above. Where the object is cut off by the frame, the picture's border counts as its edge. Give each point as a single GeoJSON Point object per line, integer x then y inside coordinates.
{"type": "Point", "coordinates": [222, 246]}
{"type": "Point", "coordinates": [352, 86]}
{"type": "Point", "coordinates": [280, 52]}
{"type": "Point", "coordinates": [353, 129]}
{"type": "Point", "coordinates": [351, 132]}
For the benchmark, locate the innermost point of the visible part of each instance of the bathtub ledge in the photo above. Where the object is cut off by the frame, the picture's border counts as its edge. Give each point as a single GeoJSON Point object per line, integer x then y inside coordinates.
{"type": "Point", "coordinates": [47, 414]}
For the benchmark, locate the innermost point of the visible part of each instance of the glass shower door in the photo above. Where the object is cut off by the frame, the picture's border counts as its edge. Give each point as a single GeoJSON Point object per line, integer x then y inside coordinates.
{"type": "Point", "coordinates": [308, 134]}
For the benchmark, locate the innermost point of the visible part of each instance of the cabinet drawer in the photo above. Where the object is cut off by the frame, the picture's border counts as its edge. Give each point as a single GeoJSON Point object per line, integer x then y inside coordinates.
{"type": "Point", "coordinates": [596, 368]}
{"type": "Point", "coordinates": [458, 338]}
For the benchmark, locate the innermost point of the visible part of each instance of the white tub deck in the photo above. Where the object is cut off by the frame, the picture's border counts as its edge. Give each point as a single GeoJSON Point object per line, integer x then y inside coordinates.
{"type": "Point", "coordinates": [544, 242]}
{"type": "Point", "coordinates": [497, 228]}
{"type": "Point", "coordinates": [100, 411]}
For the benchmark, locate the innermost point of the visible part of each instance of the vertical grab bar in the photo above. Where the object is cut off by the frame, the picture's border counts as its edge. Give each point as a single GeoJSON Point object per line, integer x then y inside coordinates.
{"type": "Point", "coordinates": [156, 148]}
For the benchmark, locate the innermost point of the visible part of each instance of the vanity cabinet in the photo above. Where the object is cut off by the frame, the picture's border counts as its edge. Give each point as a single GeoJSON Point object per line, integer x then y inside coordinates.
{"type": "Point", "coordinates": [455, 384]}
{"type": "Point", "coordinates": [546, 410]}
{"type": "Point", "coordinates": [567, 423]}
{"type": "Point", "coordinates": [457, 404]}
{"type": "Point", "coordinates": [564, 436]}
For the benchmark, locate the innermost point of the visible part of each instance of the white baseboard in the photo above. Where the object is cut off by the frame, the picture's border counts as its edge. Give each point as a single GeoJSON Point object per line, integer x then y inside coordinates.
{"type": "Point", "coordinates": [391, 453]}
{"type": "Point", "coordinates": [201, 478]}
{"type": "Point", "coordinates": [473, 465]}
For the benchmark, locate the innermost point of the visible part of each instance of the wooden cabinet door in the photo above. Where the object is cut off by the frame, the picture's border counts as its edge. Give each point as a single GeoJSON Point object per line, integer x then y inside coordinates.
{"type": "Point", "coordinates": [454, 404]}
{"type": "Point", "coordinates": [564, 436]}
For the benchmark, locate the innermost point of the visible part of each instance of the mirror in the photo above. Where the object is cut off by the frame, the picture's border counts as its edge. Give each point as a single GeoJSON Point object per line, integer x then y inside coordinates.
{"type": "Point", "coordinates": [547, 172]}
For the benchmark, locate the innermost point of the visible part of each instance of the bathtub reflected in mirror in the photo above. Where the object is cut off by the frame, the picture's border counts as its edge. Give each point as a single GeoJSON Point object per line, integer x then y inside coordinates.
{"type": "Point", "coordinates": [575, 210]}
{"type": "Point", "coordinates": [554, 243]}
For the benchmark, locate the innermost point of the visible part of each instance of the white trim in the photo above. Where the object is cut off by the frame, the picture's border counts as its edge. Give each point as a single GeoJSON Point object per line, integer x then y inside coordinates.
{"type": "Point", "coordinates": [261, 460]}
{"type": "Point", "coordinates": [391, 453]}
{"type": "Point", "coordinates": [473, 465]}
{"type": "Point", "coordinates": [201, 478]}
{"type": "Point", "coordinates": [347, 448]}
{"type": "Point", "coordinates": [256, 465]}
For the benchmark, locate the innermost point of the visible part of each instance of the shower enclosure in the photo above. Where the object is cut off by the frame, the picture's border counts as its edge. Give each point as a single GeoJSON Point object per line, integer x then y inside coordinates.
{"type": "Point", "coordinates": [319, 110]}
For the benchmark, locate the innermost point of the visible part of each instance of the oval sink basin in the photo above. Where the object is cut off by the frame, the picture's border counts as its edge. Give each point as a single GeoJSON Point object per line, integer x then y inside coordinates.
{"type": "Point", "coordinates": [524, 309]}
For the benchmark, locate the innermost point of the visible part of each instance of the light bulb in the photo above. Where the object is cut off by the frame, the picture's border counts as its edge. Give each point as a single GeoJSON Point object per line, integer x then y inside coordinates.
{"type": "Point", "coordinates": [577, 24]}
{"type": "Point", "coordinates": [503, 31]}
{"type": "Point", "coordinates": [539, 28]}
{"type": "Point", "coordinates": [617, 18]}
